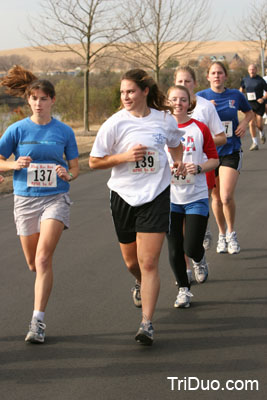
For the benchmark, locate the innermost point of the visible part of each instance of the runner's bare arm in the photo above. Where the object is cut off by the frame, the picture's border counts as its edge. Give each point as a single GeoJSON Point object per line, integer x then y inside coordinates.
{"type": "Point", "coordinates": [177, 156]}
{"type": "Point", "coordinates": [21, 162]}
{"type": "Point", "coordinates": [71, 173]}
{"type": "Point", "coordinates": [241, 129]}
{"type": "Point", "coordinates": [220, 139]}
{"type": "Point", "coordinates": [136, 153]}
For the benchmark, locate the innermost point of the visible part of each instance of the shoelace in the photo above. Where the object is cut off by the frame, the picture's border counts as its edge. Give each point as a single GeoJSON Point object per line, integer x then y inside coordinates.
{"type": "Point", "coordinates": [186, 293]}
{"type": "Point", "coordinates": [37, 326]}
{"type": "Point", "coordinates": [147, 327]}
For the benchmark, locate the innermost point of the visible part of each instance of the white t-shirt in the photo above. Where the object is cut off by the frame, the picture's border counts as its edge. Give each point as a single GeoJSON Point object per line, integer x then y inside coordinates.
{"type": "Point", "coordinates": [138, 183]}
{"type": "Point", "coordinates": [265, 78]}
{"type": "Point", "coordinates": [206, 112]}
{"type": "Point", "coordinates": [197, 144]}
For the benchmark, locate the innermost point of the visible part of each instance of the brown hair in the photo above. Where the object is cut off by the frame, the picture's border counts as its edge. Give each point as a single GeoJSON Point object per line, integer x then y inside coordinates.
{"type": "Point", "coordinates": [192, 103]}
{"type": "Point", "coordinates": [20, 82]}
{"type": "Point", "coordinates": [155, 98]}
{"type": "Point", "coordinates": [185, 68]}
{"type": "Point", "coordinates": [220, 64]}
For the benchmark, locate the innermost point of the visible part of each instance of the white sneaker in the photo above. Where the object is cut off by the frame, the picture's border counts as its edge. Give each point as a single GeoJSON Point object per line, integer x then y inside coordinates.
{"type": "Point", "coordinates": [36, 332]}
{"type": "Point", "coordinates": [183, 298]}
{"type": "Point", "coordinates": [233, 245]}
{"type": "Point", "coordinates": [253, 147]}
{"type": "Point", "coordinates": [207, 240]}
{"type": "Point", "coordinates": [221, 244]}
{"type": "Point", "coordinates": [201, 270]}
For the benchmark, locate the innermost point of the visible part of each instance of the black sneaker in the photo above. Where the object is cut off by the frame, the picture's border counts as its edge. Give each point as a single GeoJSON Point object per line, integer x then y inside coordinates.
{"type": "Point", "coordinates": [145, 334]}
{"type": "Point", "coordinates": [36, 332]}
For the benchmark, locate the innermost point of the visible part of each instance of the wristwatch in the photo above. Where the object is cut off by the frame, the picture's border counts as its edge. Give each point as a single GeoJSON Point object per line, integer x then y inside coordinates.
{"type": "Point", "coordinates": [199, 169]}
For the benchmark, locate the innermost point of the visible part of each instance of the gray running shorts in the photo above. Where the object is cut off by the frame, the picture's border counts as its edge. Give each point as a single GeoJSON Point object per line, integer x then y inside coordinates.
{"type": "Point", "coordinates": [29, 212]}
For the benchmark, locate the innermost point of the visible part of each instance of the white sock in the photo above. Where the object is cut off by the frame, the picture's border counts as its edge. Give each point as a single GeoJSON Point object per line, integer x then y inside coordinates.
{"type": "Point", "coordinates": [261, 133]}
{"type": "Point", "coordinates": [255, 140]}
{"type": "Point", "coordinates": [39, 315]}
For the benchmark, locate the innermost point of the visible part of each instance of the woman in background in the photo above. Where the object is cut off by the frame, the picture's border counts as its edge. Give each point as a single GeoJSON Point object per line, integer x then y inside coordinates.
{"type": "Point", "coordinates": [205, 112]}
{"type": "Point", "coordinates": [227, 102]}
{"type": "Point", "coordinates": [189, 194]}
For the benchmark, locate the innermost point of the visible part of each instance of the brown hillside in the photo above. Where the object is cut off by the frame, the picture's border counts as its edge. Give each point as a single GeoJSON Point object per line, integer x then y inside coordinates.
{"type": "Point", "coordinates": [228, 49]}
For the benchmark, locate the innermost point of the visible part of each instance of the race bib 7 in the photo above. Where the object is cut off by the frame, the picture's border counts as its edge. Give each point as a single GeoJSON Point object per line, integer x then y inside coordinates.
{"type": "Point", "coordinates": [228, 128]}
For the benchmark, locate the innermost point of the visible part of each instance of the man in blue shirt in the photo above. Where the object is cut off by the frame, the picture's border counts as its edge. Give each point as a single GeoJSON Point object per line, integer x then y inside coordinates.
{"type": "Point", "coordinates": [254, 86]}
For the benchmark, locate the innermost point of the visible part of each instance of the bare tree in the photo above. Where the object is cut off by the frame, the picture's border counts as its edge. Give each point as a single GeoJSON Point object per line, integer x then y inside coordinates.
{"type": "Point", "coordinates": [6, 62]}
{"type": "Point", "coordinates": [85, 28]}
{"type": "Point", "coordinates": [252, 28]}
{"type": "Point", "coordinates": [46, 65]}
{"type": "Point", "coordinates": [170, 29]}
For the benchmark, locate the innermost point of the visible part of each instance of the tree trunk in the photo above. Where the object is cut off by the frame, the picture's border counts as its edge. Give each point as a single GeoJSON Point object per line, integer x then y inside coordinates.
{"type": "Point", "coordinates": [86, 100]}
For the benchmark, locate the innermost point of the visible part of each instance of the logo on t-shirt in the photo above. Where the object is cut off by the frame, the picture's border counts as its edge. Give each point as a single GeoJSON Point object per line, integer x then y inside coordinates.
{"type": "Point", "coordinates": [189, 144]}
{"type": "Point", "coordinates": [232, 103]}
{"type": "Point", "coordinates": [159, 138]}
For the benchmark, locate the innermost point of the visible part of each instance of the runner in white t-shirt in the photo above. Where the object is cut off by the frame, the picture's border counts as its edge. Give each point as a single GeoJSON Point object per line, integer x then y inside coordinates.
{"type": "Point", "coordinates": [265, 114]}
{"type": "Point", "coordinates": [131, 142]}
{"type": "Point", "coordinates": [205, 112]}
{"type": "Point", "coordinates": [189, 195]}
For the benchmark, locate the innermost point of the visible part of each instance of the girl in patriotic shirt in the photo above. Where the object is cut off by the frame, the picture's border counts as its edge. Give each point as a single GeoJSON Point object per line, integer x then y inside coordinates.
{"type": "Point", "coordinates": [189, 195]}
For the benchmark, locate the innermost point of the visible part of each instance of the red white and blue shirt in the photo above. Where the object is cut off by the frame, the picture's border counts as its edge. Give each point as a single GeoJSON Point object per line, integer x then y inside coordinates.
{"type": "Point", "coordinates": [198, 145]}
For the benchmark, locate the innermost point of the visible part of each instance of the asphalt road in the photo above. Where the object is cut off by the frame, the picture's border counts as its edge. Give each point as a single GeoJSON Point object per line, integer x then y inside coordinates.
{"type": "Point", "coordinates": [90, 352]}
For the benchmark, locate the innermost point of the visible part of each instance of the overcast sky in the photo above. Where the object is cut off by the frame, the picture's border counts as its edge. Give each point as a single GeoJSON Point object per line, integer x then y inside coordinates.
{"type": "Point", "coordinates": [14, 14]}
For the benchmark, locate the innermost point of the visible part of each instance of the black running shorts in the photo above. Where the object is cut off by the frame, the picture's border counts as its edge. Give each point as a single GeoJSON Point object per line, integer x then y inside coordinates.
{"type": "Point", "coordinates": [233, 160]}
{"type": "Point", "coordinates": [152, 217]}
{"type": "Point", "coordinates": [257, 108]}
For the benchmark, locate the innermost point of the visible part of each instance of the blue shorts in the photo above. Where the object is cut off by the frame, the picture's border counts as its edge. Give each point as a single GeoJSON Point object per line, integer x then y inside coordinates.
{"type": "Point", "coordinates": [199, 207]}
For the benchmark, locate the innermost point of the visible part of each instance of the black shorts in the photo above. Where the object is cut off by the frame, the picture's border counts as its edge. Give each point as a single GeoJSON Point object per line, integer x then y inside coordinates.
{"type": "Point", "coordinates": [257, 108]}
{"type": "Point", "coordinates": [152, 217]}
{"type": "Point", "coordinates": [233, 160]}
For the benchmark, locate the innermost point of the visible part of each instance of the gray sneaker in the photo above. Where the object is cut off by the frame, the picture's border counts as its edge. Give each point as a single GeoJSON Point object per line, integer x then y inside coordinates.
{"type": "Point", "coordinates": [145, 334]}
{"type": "Point", "coordinates": [36, 332]}
{"type": "Point", "coordinates": [137, 295]}
{"type": "Point", "coordinates": [207, 240]}
{"type": "Point", "coordinates": [201, 270]}
{"type": "Point", "coordinates": [183, 298]}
